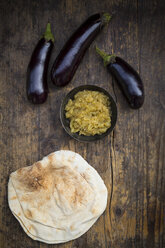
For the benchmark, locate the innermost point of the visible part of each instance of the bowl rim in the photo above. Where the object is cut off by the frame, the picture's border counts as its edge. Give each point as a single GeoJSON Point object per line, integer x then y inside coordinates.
{"type": "Point", "coordinates": [84, 138]}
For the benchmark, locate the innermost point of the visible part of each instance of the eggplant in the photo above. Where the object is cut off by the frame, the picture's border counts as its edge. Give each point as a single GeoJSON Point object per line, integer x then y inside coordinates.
{"type": "Point", "coordinates": [128, 79]}
{"type": "Point", "coordinates": [72, 53]}
{"type": "Point", "coordinates": [36, 84]}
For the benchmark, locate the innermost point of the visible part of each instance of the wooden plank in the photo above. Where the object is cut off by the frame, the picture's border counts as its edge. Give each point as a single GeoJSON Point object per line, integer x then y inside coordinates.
{"type": "Point", "coordinates": [131, 159]}
{"type": "Point", "coordinates": [19, 126]}
{"type": "Point", "coordinates": [124, 146]}
{"type": "Point", "coordinates": [152, 127]}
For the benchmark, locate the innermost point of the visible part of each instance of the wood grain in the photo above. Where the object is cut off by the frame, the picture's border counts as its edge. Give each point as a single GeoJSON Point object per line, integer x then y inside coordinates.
{"type": "Point", "coordinates": [131, 159]}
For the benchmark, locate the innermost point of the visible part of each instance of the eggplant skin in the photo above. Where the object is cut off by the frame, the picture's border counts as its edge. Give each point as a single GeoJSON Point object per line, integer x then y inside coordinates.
{"type": "Point", "coordinates": [72, 53]}
{"type": "Point", "coordinates": [37, 88]}
{"type": "Point", "coordinates": [129, 82]}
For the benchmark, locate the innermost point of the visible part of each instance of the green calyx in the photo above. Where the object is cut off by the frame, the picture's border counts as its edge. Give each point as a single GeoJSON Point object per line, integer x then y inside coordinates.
{"type": "Point", "coordinates": [107, 58]}
{"type": "Point", "coordinates": [106, 18]}
{"type": "Point", "coordinates": [48, 34]}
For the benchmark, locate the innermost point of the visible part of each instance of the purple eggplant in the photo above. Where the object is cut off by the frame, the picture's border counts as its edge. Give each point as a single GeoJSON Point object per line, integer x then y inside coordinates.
{"type": "Point", "coordinates": [127, 78]}
{"type": "Point", "coordinates": [37, 87]}
{"type": "Point", "coordinates": [72, 53]}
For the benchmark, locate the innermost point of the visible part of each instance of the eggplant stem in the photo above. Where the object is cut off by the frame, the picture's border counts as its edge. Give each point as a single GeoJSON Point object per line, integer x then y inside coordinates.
{"type": "Point", "coordinates": [48, 34]}
{"type": "Point", "coordinates": [106, 18]}
{"type": "Point", "coordinates": [107, 58]}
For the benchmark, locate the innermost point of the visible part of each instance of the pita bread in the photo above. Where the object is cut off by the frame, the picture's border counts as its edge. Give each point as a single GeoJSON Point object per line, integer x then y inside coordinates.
{"type": "Point", "coordinates": [58, 198]}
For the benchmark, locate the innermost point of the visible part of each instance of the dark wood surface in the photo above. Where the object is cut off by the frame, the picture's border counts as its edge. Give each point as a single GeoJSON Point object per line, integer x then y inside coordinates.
{"type": "Point", "coordinates": [131, 159]}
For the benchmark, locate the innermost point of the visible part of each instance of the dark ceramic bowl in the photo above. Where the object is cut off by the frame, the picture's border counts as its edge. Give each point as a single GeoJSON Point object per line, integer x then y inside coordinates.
{"type": "Point", "coordinates": [66, 123]}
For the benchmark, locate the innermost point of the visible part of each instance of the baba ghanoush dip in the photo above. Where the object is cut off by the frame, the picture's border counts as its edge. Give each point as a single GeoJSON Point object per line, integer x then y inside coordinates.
{"type": "Point", "coordinates": [89, 113]}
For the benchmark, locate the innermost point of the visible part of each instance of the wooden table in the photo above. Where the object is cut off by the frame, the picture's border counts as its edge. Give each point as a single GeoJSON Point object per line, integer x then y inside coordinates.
{"type": "Point", "coordinates": [131, 158]}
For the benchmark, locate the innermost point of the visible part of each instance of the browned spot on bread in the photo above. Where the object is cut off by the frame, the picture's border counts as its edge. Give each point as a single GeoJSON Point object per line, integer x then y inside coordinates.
{"type": "Point", "coordinates": [30, 228]}
{"type": "Point", "coordinates": [85, 176]}
{"type": "Point", "coordinates": [28, 214]}
{"type": "Point", "coordinates": [35, 182]}
{"type": "Point", "coordinates": [94, 211]}
{"type": "Point", "coordinates": [19, 171]}
{"type": "Point", "coordinates": [48, 198]}
{"type": "Point", "coordinates": [71, 159]}
{"type": "Point", "coordinates": [38, 165]}
{"type": "Point", "coordinates": [19, 214]}
{"type": "Point", "coordinates": [51, 157]}
{"type": "Point", "coordinates": [72, 227]}
{"type": "Point", "coordinates": [13, 198]}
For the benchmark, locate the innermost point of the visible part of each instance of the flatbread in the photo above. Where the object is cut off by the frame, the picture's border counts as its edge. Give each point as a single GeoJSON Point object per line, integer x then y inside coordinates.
{"type": "Point", "coordinates": [58, 198]}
